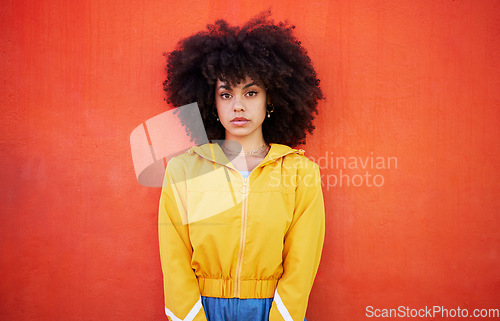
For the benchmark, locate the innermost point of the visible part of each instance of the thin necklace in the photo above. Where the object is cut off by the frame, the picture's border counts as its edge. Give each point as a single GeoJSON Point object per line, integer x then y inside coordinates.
{"type": "Point", "coordinates": [256, 151]}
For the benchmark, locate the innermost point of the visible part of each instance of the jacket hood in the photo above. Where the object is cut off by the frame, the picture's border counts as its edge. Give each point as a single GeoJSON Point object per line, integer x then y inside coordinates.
{"type": "Point", "coordinates": [213, 152]}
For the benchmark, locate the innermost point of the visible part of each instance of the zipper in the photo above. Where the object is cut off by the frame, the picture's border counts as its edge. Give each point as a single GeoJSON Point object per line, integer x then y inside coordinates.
{"type": "Point", "coordinates": [239, 264]}
{"type": "Point", "coordinates": [244, 189]}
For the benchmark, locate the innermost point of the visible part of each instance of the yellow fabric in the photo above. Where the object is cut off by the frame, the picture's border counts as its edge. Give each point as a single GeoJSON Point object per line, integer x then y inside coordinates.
{"type": "Point", "coordinates": [222, 235]}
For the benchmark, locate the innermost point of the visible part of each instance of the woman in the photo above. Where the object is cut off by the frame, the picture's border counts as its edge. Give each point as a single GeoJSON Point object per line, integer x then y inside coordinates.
{"type": "Point", "coordinates": [241, 219]}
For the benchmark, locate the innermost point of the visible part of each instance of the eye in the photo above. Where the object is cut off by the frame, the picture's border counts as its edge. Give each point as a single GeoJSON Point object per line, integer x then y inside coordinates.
{"type": "Point", "coordinates": [251, 93]}
{"type": "Point", "coordinates": [225, 95]}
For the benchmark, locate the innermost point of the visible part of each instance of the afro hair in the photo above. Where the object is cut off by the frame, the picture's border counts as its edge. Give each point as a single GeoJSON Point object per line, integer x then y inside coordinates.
{"type": "Point", "coordinates": [260, 49]}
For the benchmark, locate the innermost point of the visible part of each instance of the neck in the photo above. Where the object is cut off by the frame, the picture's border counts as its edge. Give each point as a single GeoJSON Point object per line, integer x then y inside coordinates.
{"type": "Point", "coordinates": [244, 144]}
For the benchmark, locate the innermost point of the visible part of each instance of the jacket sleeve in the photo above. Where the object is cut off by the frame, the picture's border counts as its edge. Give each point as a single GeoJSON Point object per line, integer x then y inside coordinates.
{"type": "Point", "coordinates": [303, 244]}
{"type": "Point", "coordinates": [181, 290]}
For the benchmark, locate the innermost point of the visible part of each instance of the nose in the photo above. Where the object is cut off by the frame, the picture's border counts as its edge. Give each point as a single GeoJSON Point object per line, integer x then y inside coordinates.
{"type": "Point", "coordinates": [238, 106]}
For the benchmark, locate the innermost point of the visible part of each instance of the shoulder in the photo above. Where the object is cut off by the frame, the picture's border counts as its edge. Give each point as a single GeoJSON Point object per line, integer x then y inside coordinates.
{"type": "Point", "coordinates": [298, 159]}
{"type": "Point", "coordinates": [194, 157]}
{"type": "Point", "coordinates": [189, 154]}
{"type": "Point", "coordinates": [181, 160]}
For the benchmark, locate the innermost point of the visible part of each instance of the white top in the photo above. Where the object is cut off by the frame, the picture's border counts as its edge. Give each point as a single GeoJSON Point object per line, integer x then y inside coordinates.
{"type": "Point", "coordinates": [245, 173]}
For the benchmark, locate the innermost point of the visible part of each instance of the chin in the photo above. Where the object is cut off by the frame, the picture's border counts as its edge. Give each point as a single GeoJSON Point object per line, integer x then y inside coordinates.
{"type": "Point", "coordinates": [243, 132]}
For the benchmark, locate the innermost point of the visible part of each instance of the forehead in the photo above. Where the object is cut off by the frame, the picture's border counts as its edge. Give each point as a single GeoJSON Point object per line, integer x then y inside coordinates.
{"type": "Point", "coordinates": [246, 81]}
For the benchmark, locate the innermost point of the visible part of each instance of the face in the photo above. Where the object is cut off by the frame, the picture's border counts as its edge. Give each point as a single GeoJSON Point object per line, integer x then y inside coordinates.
{"type": "Point", "coordinates": [241, 109]}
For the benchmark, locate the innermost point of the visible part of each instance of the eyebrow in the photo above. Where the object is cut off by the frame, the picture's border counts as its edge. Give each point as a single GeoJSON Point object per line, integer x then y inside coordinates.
{"type": "Point", "coordinates": [228, 87]}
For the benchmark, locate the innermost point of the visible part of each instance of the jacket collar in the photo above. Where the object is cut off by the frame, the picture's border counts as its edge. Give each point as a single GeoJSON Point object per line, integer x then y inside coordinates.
{"type": "Point", "coordinates": [213, 152]}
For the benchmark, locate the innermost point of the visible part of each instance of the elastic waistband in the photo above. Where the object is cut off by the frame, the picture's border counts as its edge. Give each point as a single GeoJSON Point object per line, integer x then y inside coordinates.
{"type": "Point", "coordinates": [249, 289]}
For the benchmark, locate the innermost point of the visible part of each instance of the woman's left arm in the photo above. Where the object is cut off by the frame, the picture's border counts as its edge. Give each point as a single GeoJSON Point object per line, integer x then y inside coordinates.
{"type": "Point", "coordinates": [303, 244]}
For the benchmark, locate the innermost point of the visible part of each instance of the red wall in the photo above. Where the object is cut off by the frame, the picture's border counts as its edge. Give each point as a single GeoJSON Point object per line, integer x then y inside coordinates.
{"type": "Point", "coordinates": [414, 80]}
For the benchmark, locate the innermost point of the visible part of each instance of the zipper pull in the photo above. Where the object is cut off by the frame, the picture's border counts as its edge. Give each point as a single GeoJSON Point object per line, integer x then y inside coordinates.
{"type": "Point", "coordinates": [244, 186]}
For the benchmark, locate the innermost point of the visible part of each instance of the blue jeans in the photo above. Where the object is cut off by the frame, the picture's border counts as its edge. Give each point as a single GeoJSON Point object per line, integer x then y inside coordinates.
{"type": "Point", "coordinates": [234, 309]}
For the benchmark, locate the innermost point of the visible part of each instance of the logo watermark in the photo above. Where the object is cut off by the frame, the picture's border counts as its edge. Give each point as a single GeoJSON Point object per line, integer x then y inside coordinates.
{"type": "Point", "coordinates": [156, 143]}
{"type": "Point", "coordinates": [354, 171]}
{"type": "Point", "coordinates": [435, 311]}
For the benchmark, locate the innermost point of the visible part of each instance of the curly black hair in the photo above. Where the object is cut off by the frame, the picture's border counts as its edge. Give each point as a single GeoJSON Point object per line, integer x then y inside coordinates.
{"type": "Point", "coordinates": [260, 49]}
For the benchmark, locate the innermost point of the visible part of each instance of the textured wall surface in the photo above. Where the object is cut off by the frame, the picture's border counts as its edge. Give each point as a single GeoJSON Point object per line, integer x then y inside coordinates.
{"type": "Point", "coordinates": [407, 141]}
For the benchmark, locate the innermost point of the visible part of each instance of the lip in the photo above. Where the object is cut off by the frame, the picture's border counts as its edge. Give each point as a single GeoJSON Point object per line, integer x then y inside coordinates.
{"type": "Point", "coordinates": [239, 121]}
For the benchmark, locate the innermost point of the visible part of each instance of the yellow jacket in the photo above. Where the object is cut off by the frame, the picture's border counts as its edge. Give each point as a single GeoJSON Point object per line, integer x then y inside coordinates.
{"type": "Point", "coordinates": [222, 235]}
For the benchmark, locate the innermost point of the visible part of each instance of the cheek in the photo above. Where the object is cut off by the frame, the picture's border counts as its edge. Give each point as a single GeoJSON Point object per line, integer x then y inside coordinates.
{"type": "Point", "coordinates": [262, 109]}
{"type": "Point", "coordinates": [223, 111]}
{"type": "Point", "coordinates": [220, 106]}
{"type": "Point", "coordinates": [262, 113]}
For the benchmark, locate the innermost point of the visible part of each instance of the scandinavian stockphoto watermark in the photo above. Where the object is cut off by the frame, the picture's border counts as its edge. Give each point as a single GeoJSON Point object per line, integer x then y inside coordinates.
{"type": "Point", "coordinates": [336, 171]}
{"type": "Point", "coordinates": [436, 311]}
{"type": "Point", "coordinates": [158, 139]}
{"type": "Point", "coordinates": [354, 171]}
{"type": "Point", "coordinates": [181, 130]}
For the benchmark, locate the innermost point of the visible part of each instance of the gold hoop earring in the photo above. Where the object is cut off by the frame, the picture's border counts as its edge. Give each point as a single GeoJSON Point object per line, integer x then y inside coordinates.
{"type": "Point", "coordinates": [214, 113]}
{"type": "Point", "coordinates": [270, 111]}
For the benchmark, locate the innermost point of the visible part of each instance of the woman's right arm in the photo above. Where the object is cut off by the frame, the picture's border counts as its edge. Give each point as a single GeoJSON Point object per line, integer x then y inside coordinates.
{"type": "Point", "coordinates": [182, 294]}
